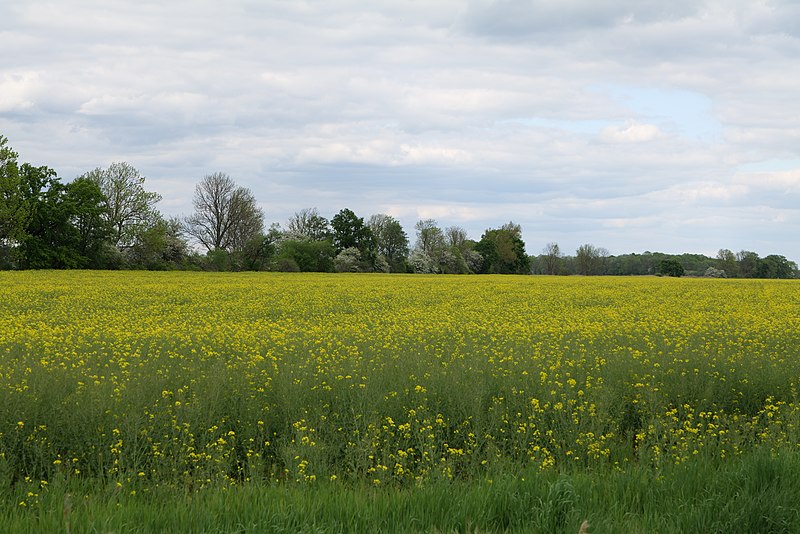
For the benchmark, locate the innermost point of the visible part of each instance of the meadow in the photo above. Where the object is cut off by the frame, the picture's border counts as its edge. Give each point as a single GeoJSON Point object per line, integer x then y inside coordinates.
{"type": "Point", "coordinates": [140, 401]}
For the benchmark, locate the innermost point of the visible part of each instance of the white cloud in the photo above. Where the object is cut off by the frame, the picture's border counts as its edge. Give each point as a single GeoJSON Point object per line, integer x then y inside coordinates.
{"type": "Point", "coordinates": [631, 133]}
{"type": "Point", "coordinates": [16, 91]}
{"type": "Point", "coordinates": [617, 121]}
{"type": "Point", "coordinates": [782, 180]}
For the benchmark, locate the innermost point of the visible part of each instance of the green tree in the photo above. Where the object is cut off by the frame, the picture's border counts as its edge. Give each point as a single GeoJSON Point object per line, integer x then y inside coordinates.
{"type": "Point", "coordinates": [748, 263]}
{"type": "Point", "coordinates": [306, 255]}
{"type": "Point", "coordinates": [49, 236]}
{"type": "Point", "coordinates": [776, 266]}
{"type": "Point", "coordinates": [726, 261]}
{"type": "Point", "coordinates": [86, 206]}
{"type": "Point", "coordinates": [503, 250]}
{"type": "Point", "coordinates": [14, 209]}
{"type": "Point", "coordinates": [66, 228]}
{"type": "Point", "coordinates": [256, 254]}
{"type": "Point", "coordinates": [160, 246]}
{"type": "Point", "coordinates": [350, 231]}
{"type": "Point", "coordinates": [671, 267]}
{"type": "Point", "coordinates": [391, 240]}
{"type": "Point", "coordinates": [129, 209]}
{"type": "Point", "coordinates": [460, 251]}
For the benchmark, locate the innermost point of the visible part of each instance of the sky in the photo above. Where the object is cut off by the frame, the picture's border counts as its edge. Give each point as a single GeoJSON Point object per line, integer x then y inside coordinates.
{"type": "Point", "coordinates": [669, 126]}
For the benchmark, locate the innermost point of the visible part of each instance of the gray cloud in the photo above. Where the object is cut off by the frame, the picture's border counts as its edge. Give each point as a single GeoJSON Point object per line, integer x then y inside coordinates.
{"type": "Point", "coordinates": [633, 125]}
{"type": "Point", "coordinates": [515, 18]}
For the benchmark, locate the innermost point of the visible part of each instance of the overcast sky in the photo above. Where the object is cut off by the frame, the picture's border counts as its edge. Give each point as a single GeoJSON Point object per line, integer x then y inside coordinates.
{"type": "Point", "coordinates": [662, 125]}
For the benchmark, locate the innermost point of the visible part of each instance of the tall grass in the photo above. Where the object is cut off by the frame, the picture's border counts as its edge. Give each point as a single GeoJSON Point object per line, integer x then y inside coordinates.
{"type": "Point", "coordinates": [756, 492]}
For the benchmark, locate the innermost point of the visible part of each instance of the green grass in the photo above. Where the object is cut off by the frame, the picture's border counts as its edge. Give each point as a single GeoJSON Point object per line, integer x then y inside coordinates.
{"type": "Point", "coordinates": [755, 493]}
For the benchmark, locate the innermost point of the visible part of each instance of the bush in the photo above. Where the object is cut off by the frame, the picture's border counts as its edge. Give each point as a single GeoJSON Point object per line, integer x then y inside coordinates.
{"type": "Point", "coordinates": [712, 272]}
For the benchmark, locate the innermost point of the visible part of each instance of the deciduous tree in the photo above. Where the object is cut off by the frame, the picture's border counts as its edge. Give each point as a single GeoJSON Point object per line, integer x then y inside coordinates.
{"type": "Point", "coordinates": [552, 258]}
{"type": "Point", "coordinates": [129, 208]}
{"type": "Point", "coordinates": [350, 231]}
{"type": "Point", "coordinates": [14, 207]}
{"type": "Point", "coordinates": [391, 240]}
{"type": "Point", "coordinates": [503, 250]}
{"type": "Point", "coordinates": [590, 260]}
{"type": "Point", "coordinates": [308, 224]}
{"type": "Point", "coordinates": [226, 216]}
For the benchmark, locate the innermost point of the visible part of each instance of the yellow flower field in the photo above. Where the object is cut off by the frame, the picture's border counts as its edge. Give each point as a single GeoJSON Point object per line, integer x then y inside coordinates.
{"type": "Point", "coordinates": [199, 379]}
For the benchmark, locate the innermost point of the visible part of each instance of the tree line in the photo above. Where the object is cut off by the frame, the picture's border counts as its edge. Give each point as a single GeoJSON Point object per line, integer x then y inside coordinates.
{"type": "Point", "coordinates": [591, 260]}
{"type": "Point", "coordinates": [106, 219]}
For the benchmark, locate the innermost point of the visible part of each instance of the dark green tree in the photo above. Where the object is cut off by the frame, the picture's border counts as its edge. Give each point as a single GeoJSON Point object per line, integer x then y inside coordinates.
{"type": "Point", "coordinates": [776, 266]}
{"type": "Point", "coordinates": [391, 240]}
{"type": "Point", "coordinates": [671, 267]}
{"type": "Point", "coordinates": [305, 255]}
{"type": "Point", "coordinates": [350, 231]}
{"type": "Point", "coordinates": [49, 237]}
{"type": "Point", "coordinates": [748, 262]}
{"type": "Point", "coordinates": [726, 261]}
{"type": "Point", "coordinates": [66, 228]}
{"type": "Point", "coordinates": [14, 210]}
{"type": "Point", "coordinates": [14, 207]}
{"type": "Point", "coordinates": [503, 250]}
{"type": "Point", "coordinates": [86, 205]}
{"type": "Point", "coordinates": [256, 254]}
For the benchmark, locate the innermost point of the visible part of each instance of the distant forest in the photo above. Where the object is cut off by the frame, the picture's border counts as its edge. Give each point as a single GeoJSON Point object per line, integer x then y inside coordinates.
{"type": "Point", "coordinates": [106, 219]}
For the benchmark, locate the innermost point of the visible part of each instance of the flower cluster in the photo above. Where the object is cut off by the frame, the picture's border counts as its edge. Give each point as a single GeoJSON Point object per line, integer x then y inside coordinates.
{"type": "Point", "coordinates": [199, 379]}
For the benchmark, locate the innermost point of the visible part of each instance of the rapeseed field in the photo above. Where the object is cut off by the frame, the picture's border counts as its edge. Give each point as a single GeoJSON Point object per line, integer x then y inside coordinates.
{"type": "Point", "coordinates": [199, 380]}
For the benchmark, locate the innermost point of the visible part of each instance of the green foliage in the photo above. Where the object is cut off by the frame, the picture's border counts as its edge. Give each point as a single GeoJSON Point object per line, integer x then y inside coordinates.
{"type": "Point", "coordinates": [129, 209]}
{"type": "Point", "coordinates": [350, 231]}
{"type": "Point", "coordinates": [748, 263]}
{"type": "Point", "coordinates": [391, 241]}
{"type": "Point", "coordinates": [726, 261]}
{"type": "Point", "coordinates": [671, 267]}
{"type": "Point", "coordinates": [46, 224]}
{"type": "Point", "coordinates": [503, 251]}
{"type": "Point", "coordinates": [159, 246]}
{"type": "Point", "coordinates": [776, 266]}
{"type": "Point", "coordinates": [86, 205]}
{"type": "Point", "coordinates": [50, 240]}
{"type": "Point", "coordinates": [305, 255]}
{"type": "Point", "coordinates": [14, 207]}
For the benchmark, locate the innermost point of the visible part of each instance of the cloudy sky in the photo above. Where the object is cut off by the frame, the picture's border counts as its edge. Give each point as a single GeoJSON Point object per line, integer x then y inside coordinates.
{"type": "Point", "coordinates": [655, 125]}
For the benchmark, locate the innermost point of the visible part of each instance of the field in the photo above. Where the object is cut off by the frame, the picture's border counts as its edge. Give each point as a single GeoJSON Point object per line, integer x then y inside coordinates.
{"type": "Point", "coordinates": [262, 401]}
